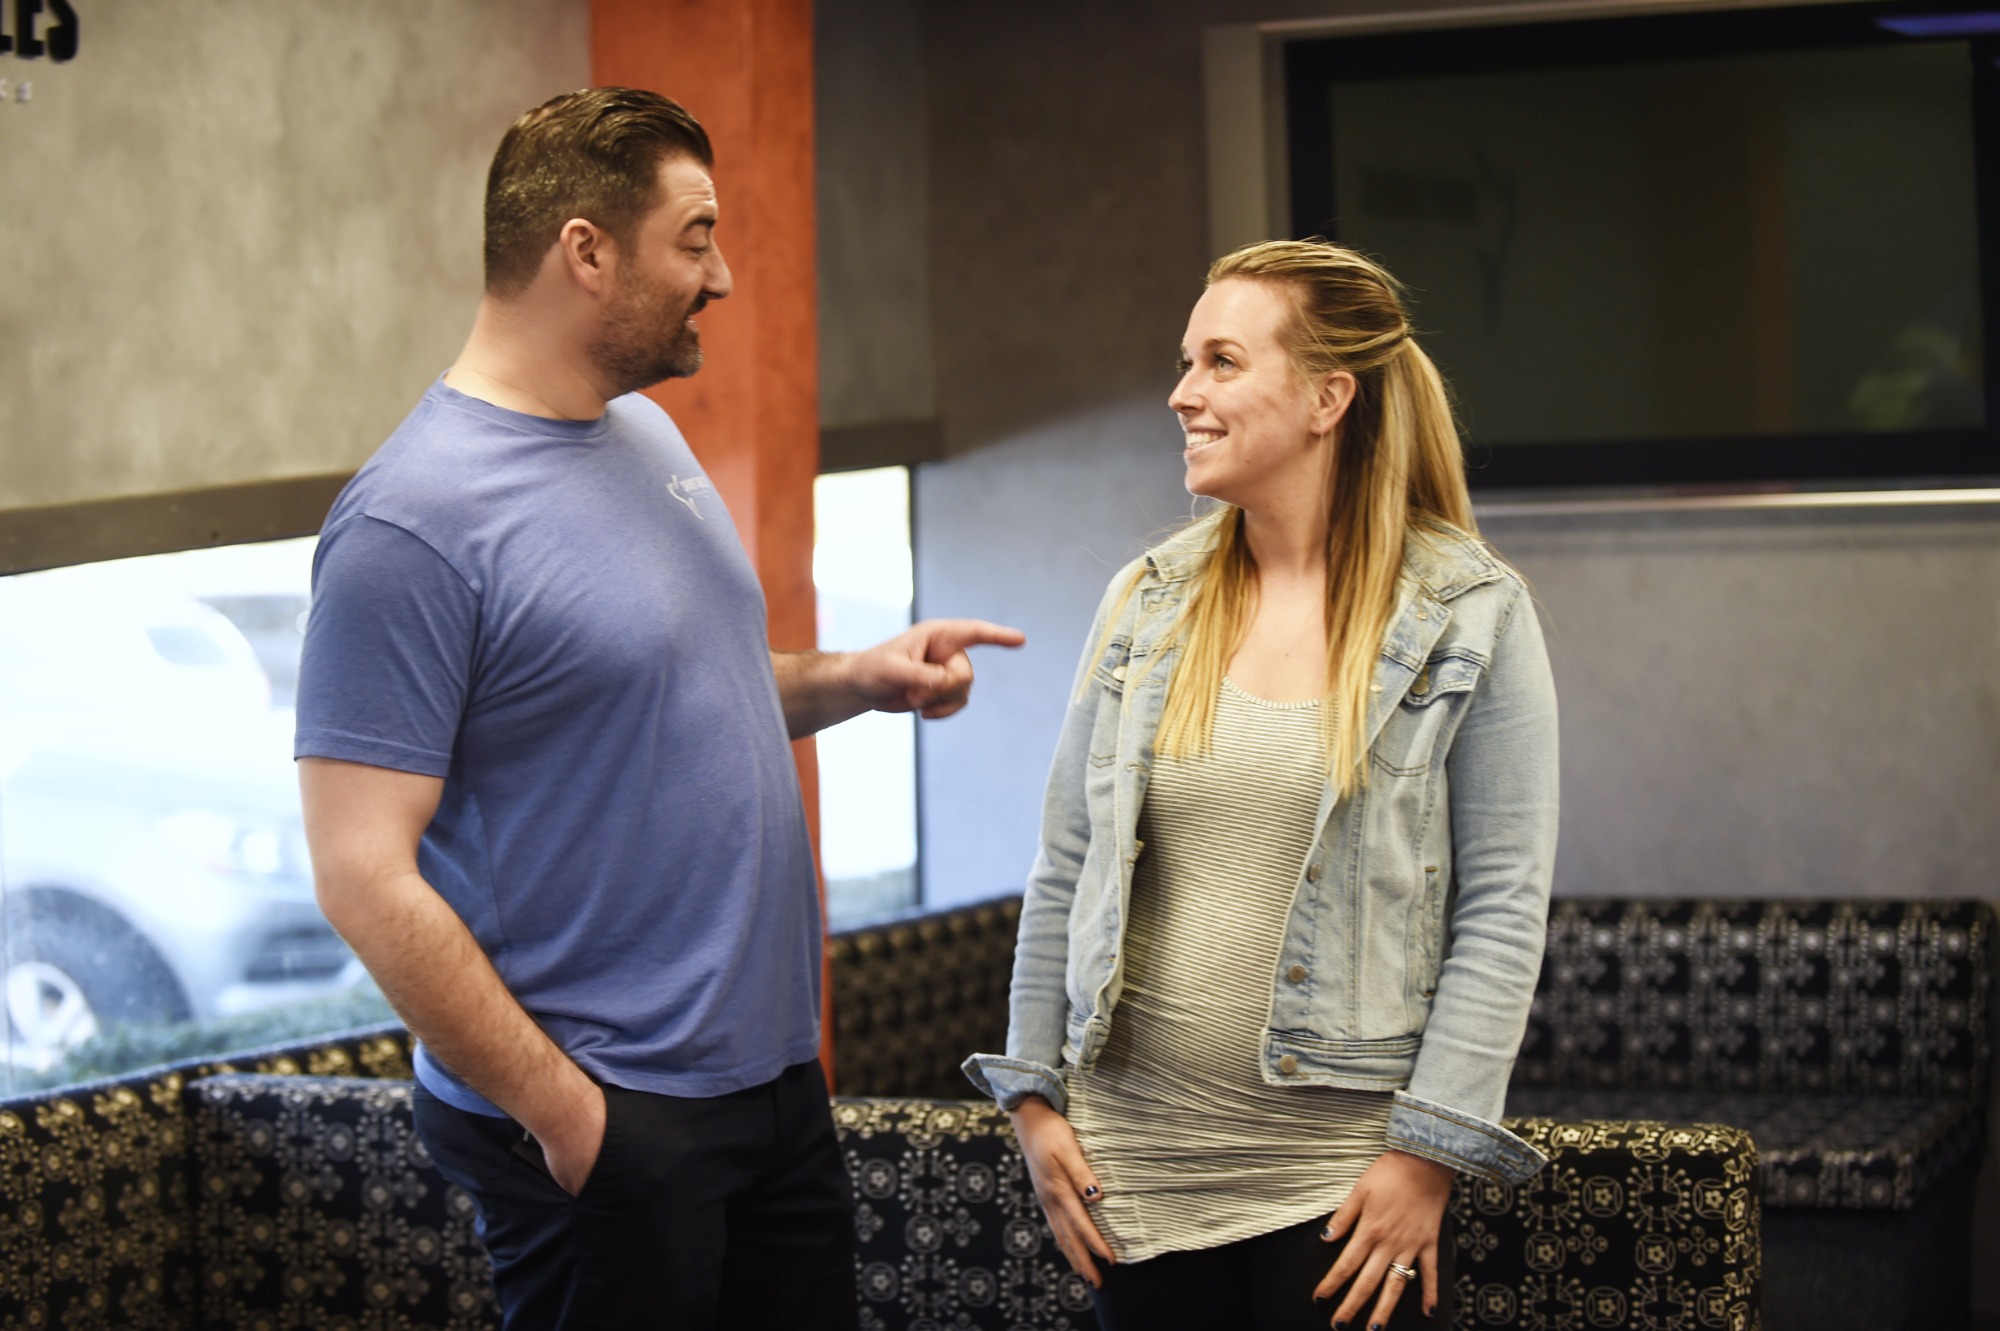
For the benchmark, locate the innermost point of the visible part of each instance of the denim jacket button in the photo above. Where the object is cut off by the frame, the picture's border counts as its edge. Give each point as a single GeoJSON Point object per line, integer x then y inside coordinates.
{"type": "Point", "coordinates": [1288, 1065]}
{"type": "Point", "coordinates": [1312, 872]}
{"type": "Point", "coordinates": [1296, 973]}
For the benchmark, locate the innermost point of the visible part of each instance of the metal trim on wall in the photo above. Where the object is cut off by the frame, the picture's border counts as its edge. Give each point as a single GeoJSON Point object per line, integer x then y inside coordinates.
{"type": "Point", "coordinates": [1823, 499]}
{"type": "Point", "coordinates": [1486, 16]}
{"type": "Point", "coordinates": [83, 533]}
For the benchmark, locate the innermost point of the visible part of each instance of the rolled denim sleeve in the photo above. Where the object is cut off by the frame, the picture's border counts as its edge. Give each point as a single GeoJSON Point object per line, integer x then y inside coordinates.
{"type": "Point", "coordinates": [1038, 998]}
{"type": "Point", "coordinates": [1503, 794]}
{"type": "Point", "coordinates": [1467, 1144]}
{"type": "Point", "coordinates": [1011, 1080]}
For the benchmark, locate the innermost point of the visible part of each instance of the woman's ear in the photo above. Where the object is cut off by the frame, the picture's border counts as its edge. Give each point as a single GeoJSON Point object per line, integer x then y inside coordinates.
{"type": "Point", "coordinates": [1334, 394]}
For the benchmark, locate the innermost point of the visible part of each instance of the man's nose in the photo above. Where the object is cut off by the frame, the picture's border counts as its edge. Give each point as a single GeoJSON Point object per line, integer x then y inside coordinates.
{"type": "Point", "coordinates": [717, 282]}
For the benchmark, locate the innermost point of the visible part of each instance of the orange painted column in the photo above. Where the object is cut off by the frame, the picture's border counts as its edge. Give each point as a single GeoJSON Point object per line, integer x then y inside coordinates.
{"type": "Point", "coordinates": [744, 68]}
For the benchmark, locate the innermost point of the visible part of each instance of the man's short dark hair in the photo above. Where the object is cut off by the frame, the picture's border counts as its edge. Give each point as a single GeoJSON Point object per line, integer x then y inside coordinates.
{"type": "Point", "coordinates": [593, 154]}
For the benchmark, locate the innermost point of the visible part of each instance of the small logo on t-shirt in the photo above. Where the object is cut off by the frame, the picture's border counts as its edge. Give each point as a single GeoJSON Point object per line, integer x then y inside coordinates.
{"type": "Point", "coordinates": [686, 490]}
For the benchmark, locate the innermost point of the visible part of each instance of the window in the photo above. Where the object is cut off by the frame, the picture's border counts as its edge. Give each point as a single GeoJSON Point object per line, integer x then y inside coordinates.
{"type": "Point", "coordinates": [155, 896]}
{"type": "Point", "coordinates": [1701, 248]}
{"type": "Point", "coordinates": [867, 766]}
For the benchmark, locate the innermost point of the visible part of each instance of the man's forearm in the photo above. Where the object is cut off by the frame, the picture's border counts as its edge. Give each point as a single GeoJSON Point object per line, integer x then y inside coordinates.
{"type": "Point", "coordinates": [440, 982]}
{"type": "Point", "coordinates": [816, 690]}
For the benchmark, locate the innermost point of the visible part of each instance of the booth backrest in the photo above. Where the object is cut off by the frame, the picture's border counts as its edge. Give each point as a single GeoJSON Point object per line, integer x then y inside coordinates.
{"type": "Point", "coordinates": [1824, 997]}
{"type": "Point", "coordinates": [96, 1205]}
{"type": "Point", "coordinates": [317, 1207]}
{"type": "Point", "coordinates": [913, 996]}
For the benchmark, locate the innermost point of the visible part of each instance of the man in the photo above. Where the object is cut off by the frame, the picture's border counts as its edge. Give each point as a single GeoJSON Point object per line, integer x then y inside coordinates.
{"type": "Point", "coordinates": [547, 784]}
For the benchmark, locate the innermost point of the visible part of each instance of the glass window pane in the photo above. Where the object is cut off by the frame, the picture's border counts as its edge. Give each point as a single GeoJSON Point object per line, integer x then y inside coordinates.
{"type": "Point", "coordinates": [867, 766]}
{"type": "Point", "coordinates": [1753, 245]}
{"type": "Point", "coordinates": [157, 897]}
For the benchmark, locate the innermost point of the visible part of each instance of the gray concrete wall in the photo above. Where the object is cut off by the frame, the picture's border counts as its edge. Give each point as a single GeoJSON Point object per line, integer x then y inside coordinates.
{"type": "Point", "coordinates": [240, 237]}
{"type": "Point", "coordinates": [1753, 705]}
{"type": "Point", "coordinates": [874, 213]}
{"type": "Point", "coordinates": [1837, 667]}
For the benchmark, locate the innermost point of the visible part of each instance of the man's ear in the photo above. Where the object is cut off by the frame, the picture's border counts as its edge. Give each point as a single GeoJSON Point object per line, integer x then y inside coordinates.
{"type": "Point", "coordinates": [586, 253]}
{"type": "Point", "coordinates": [1335, 395]}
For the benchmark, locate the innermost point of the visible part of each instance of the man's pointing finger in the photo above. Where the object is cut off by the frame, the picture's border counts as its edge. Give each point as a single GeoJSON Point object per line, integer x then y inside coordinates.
{"type": "Point", "coordinates": [951, 636]}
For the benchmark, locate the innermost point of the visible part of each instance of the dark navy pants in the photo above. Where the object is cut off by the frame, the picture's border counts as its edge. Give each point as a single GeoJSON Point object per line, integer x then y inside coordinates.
{"type": "Point", "coordinates": [1260, 1284]}
{"type": "Point", "coordinates": [730, 1212]}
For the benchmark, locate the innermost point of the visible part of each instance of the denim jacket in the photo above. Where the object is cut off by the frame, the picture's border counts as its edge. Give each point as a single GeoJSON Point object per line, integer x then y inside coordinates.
{"type": "Point", "coordinates": [1417, 922]}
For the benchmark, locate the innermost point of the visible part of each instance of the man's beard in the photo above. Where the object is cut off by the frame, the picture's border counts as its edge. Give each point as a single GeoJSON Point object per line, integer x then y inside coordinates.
{"type": "Point", "coordinates": [633, 351]}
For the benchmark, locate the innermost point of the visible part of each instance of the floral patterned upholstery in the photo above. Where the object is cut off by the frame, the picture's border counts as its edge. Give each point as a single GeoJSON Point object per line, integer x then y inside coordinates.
{"type": "Point", "coordinates": [96, 1212]}
{"type": "Point", "coordinates": [317, 1205]}
{"type": "Point", "coordinates": [1850, 1038]}
{"type": "Point", "coordinates": [1854, 1151]}
{"type": "Point", "coordinates": [1651, 1226]}
{"type": "Point", "coordinates": [948, 1230]}
{"type": "Point", "coordinates": [188, 1196]}
{"type": "Point", "coordinates": [1641, 1225]}
{"type": "Point", "coordinates": [309, 1202]}
{"type": "Point", "coordinates": [1806, 997]}
{"type": "Point", "coordinates": [912, 997]}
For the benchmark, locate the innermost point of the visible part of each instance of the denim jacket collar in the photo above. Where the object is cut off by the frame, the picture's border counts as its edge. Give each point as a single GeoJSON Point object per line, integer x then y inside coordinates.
{"type": "Point", "coordinates": [1439, 565]}
{"type": "Point", "coordinates": [1443, 561]}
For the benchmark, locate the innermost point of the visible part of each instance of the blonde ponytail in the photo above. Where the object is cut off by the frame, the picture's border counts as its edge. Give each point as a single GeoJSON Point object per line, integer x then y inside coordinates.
{"type": "Point", "coordinates": [1396, 463]}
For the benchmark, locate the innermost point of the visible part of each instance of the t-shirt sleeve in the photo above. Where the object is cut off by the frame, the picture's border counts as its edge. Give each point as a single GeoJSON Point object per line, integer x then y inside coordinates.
{"type": "Point", "coordinates": [388, 651]}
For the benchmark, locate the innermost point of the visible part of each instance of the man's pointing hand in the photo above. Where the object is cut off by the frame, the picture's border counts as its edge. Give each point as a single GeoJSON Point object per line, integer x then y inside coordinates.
{"type": "Point", "coordinates": [925, 669]}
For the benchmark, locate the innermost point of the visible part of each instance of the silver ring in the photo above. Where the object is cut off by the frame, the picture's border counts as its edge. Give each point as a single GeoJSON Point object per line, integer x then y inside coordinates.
{"type": "Point", "coordinates": [1406, 1272]}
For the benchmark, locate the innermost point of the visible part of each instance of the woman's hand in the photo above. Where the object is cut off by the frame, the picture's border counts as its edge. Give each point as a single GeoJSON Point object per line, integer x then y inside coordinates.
{"type": "Point", "coordinates": [1393, 1215]}
{"type": "Point", "coordinates": [1063, 1183]}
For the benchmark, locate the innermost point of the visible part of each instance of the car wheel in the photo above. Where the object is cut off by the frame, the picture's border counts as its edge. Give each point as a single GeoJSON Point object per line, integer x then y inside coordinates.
{"type": "Point", "coordinates": [73, 969]}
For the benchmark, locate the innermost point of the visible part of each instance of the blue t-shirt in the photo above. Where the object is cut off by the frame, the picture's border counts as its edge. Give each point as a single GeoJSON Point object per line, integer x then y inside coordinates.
{"type": "Point", "coordinates": [559, 620]}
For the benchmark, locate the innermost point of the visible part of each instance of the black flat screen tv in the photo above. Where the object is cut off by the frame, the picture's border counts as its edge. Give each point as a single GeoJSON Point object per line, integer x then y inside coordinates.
{"type": "Point", "coordinates": [1704, 249]}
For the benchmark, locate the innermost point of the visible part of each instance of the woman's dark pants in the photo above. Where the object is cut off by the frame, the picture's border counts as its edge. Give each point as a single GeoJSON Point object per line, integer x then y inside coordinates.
{"type": "Point", "coordinates": [1260, 1284]}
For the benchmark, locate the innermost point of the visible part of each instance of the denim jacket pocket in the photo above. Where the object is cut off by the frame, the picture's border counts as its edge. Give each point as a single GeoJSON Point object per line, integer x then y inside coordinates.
{"type": "Point", "coordinates": [1112, 665]}
{"type": "Point", "coordinates": [1412, 735]}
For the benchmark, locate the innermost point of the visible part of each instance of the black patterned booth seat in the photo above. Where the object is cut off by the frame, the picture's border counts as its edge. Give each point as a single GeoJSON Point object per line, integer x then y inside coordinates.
{"type": "Point", "coordinates": [316, 1206]}
{"type": "Point", "coordinates": [98, 1186]}
{"type": "Point", "coordinates": [1851, 1039]}
{"type": "Point", "coordinates": [285, 1187]}
{"type": "Point", "coordinates": [1639, 1225]}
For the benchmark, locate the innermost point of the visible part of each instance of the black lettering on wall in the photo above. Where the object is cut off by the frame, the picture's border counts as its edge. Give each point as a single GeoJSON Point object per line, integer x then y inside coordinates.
{"type": "Point", "coordinates": [62, 36]}
{"type": "Point", "coordinates": [25, 40]}
{"type": "Point", "coordinates": [6, 40]}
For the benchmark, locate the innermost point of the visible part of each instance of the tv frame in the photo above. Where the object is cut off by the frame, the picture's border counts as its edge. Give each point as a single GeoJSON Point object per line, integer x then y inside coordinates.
{"type": "Point", "coordinates": [1849, 459]}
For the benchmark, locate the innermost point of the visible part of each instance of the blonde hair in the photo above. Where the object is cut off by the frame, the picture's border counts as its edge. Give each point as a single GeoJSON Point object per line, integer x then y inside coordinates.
{"type": "Point", "coordinates": [1396, 463]}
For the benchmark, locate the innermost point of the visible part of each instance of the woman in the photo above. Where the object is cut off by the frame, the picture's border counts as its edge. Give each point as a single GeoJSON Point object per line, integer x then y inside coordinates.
{"type": "Point", "coordinates": [1277, 951]}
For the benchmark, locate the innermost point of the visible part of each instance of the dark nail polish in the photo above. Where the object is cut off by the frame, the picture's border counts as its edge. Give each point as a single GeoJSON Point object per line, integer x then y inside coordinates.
{"type": "Point", "coordinates": [1374, 1326]}
{"type": "Point", "coordinates": [1321, 1298]}
{"type": "Point", "coordinates": [1327, 1233]}
{"type": "Point", "coordinates": [1090, 1191]}
{"type": "Point", "coordinates": [1340, 1326]}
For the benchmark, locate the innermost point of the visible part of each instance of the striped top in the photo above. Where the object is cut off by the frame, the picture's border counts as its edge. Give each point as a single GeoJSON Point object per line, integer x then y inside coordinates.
{"type": "Point", "coordinates": [1193, 1149]}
